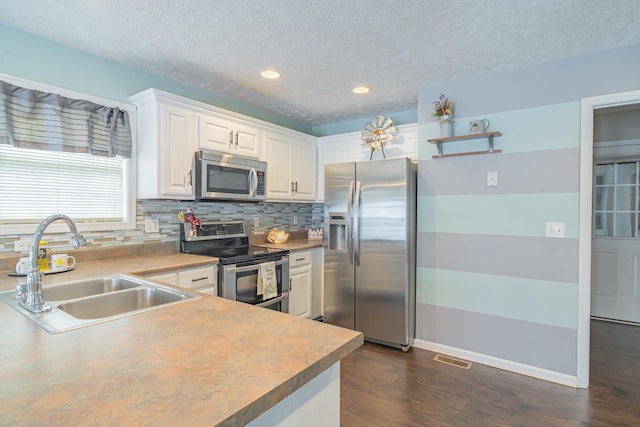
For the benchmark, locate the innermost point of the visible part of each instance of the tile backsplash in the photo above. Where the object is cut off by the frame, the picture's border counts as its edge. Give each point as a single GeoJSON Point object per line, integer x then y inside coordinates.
{"type": "Point", "coordinates": [280, 215]}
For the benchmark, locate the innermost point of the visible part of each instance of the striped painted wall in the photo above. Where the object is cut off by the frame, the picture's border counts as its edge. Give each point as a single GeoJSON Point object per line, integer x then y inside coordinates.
{"type": "Point", "coordinates": [489, 283]}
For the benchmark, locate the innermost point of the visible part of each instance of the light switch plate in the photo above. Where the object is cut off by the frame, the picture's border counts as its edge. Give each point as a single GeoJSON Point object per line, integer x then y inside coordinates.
{"type": "Point", "coordinates": [256, 221]}
{"type": "Point", "coordinates": [21, 245]}
{"type": "Point", "coordinates": [492, 179]}
{"type": "Point", "coordinates": [555, 229]}
{"type": "Point", "coordinates": [151, 225]}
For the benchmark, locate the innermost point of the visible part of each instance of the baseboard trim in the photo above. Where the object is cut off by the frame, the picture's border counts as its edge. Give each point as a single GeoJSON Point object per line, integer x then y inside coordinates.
{"type": "Point", "coordinates": [495, 362]}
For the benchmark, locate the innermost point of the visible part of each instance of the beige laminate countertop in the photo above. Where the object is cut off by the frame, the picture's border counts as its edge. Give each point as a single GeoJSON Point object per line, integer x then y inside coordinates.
{"type": "Point", "coordinates": [207, 361]}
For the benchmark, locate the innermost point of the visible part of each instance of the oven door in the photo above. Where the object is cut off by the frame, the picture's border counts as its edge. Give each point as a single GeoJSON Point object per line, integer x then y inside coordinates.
{"type": "Point", "coordinates": [280, 303]}
{"type": "Point", "coordinates": [240, 282]}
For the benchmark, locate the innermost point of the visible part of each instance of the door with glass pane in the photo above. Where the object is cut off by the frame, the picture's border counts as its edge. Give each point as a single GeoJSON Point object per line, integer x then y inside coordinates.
{"type": "Point", "coordinates": [615, 275]}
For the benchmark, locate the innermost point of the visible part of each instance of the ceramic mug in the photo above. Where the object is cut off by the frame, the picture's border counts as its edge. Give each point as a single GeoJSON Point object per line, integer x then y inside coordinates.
{"type": "Point", "coordinates": [478, 126]}
{"type": "Point", "coordinates": [23, 265]}
{"type": "Point", "coordinates": [62, 262]}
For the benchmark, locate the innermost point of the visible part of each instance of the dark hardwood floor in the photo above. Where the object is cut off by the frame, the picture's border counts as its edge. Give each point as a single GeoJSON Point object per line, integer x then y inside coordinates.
{"type": "Point", "coordinates": [381, 386]}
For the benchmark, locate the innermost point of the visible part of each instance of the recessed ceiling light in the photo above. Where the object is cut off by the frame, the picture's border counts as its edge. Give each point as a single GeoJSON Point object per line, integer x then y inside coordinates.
{"type": "Point", "coordinates": [270, 74]}
{"type": "Point", "coordinates": [360, 90]}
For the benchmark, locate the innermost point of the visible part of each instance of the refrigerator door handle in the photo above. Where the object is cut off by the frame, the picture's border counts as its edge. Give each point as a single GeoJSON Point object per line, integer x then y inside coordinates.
{"type": "Point", "coordinates": [348, 237]}
{"type": "Point", "coordinates": [356, 223]}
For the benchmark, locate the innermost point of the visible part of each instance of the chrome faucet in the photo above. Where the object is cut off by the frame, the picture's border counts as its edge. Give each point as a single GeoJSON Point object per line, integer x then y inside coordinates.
{"type": "Point", "coordinates": [32, 299]}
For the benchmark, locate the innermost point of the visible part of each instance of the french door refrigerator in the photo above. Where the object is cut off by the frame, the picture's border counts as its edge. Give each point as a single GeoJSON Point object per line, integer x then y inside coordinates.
{"type": "Point", "coordinates": [369, 249]}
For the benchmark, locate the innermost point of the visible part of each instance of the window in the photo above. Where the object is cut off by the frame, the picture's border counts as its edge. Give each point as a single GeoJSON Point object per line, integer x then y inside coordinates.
{"type": "Point", "coordinates": [616, 199]}
{"type": "Point", "coordinates": [97, 192]}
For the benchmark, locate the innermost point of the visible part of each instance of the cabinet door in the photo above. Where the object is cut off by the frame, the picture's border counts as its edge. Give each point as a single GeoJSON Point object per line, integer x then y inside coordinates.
{"type": "Point", "coordinates": [214, 133]}
{"type": "Point", "coordinates": [279, 170]}
{"type": "Point", "coordinates": [177, 149]}
{"type": "Point", "coordinates": [305, 171]}
{"type": "Point", "coordinates": [246, 141]}
{"type": "Point", "coordinates": [327, 154]}
{"type": "Point", "coordinates": [300, 295]}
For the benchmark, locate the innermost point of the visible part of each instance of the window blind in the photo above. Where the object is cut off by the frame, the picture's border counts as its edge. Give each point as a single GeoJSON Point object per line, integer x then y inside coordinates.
{"type": "Point", "coordinates": [35, 184]}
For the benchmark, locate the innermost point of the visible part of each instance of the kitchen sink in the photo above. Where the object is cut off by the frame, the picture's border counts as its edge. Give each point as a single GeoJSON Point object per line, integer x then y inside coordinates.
{"type": "Point", "coordinates": [85, 288]}
{"type": "Point", "coordinates": [116, 303]}
{"type": "Point", "coordinates": [88, 302]}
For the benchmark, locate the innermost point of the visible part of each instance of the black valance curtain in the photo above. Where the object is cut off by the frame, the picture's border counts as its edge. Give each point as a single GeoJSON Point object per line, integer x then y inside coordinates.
{"type": "Point", "coordinates": [47, 121]}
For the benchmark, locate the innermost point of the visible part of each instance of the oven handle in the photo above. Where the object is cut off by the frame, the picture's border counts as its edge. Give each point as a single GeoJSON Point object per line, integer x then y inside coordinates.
{"type": "Point", "coordinates": [282, 297]}
{"type": "Point", "coordinates": [233, 269]}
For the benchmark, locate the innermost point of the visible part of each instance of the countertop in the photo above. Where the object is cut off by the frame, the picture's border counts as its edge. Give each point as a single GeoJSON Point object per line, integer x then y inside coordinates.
{"type": "Point", "coordinates": [141, 265]}
{"type": "Point", "coordinates": [207, 361]}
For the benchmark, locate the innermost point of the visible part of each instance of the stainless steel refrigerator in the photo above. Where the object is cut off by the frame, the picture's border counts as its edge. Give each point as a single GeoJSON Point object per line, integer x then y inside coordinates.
{"type": "Point", "coordinates": [369, 249]}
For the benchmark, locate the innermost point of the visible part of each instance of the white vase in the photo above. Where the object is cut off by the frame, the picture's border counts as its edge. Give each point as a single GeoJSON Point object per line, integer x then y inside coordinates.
{"type": "Point", "coordinates": [446, 126]}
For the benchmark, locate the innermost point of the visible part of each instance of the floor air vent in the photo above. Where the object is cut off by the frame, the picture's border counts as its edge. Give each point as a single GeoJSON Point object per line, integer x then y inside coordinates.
{"type": "Point", "coordinates": [452, 361]}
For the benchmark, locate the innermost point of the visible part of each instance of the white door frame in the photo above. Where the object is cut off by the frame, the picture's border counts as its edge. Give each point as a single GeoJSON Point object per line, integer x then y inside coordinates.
{"type": "Point", "coordinates": [588, 105]}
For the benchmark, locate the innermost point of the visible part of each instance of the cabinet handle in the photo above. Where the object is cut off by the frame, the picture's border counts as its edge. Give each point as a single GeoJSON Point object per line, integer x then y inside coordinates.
{"type": "Point", "coordinates": [292, 186]}
{"type": "Point", "coordinates": [296, 190]}
{"type": "Point", "coordinates": [236, 139]}
{"type": "Point", "coordinates": [289, 285]}
{"type": "Point", "coordinates": [199, 279]}
{"type": "Point", "coordinates": [190, 178]}
{"type": "Point", "coordinates": [230, 139]}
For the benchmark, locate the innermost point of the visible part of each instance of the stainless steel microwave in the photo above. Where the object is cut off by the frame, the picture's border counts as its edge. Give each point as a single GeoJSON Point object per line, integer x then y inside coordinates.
{"type": "Point", "coordinates": [226, 177]}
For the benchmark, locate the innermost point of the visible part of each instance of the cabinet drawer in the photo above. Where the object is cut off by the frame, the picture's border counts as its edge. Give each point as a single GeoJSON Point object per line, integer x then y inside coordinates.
{"type": "Point", "coordinates": [168, 278]}
{"type": "Point", "coordinates": [197, 277]}
{"type": "Point", "coordinates": [297, 259]}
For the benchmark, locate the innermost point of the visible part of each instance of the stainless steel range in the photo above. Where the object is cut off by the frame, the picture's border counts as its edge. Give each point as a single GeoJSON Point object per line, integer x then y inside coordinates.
{"type": "Point", "coordinates": [239, 261]}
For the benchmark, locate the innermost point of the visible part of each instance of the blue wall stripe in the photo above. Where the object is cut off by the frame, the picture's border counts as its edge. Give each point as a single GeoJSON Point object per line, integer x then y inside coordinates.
{"type": "Point", "coordinates": [500, 214]}
{"type": "Point", "coordinates": [529, 129]}
{"type": "Point", "coordinates": [563, 80]}
{"type": "Point", "coordinates": [538, 301]}
{"type": "Point", "coordinates": [547, 347]}
{"type": "Point", "coordinates": [540, 258]}
{"type": "Point", "coordinates": [548, 171]}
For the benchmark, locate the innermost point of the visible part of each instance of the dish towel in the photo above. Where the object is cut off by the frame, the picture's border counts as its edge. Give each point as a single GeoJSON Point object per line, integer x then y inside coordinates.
{"type": "Point", "coordinates": [267, 283]}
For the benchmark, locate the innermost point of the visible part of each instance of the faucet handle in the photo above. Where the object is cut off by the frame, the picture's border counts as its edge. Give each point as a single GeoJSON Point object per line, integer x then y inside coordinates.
{"type": "Point", "coordinates": [21, 290]}
{"type": "Point", "coordinates": [78, 240]}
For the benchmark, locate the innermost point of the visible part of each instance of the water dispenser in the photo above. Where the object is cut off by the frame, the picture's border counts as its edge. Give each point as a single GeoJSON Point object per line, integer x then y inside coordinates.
{"type": "Point", "coordinates": [337, 231]}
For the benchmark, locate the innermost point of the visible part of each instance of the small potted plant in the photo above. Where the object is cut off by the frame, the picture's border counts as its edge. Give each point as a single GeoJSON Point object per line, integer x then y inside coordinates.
{"type": "Point", "coordinates": [443, 110]}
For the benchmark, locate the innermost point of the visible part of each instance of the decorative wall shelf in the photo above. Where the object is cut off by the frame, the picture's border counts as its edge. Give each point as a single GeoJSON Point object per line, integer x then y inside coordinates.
{"type": "Point", "coordinates": [488, 135]}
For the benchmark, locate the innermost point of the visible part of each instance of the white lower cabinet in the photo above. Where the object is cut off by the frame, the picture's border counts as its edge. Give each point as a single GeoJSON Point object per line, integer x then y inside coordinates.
{"type": "Point", "coordinates": [300, 277]}
{"type": "Point", "coordinates": [201, 279]}
{"type": "Point", "coordinates": [317, 282]}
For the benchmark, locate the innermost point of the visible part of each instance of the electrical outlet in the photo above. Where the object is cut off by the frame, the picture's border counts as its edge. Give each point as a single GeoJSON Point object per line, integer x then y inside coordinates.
{"type": "Point", "coordinates": [492, 179]}
{"type": "Point", "coordinates": [555, 229]}
{"type": "Point", "coordinates": [295, 220]}
{"type": "Point", "coordinates": [151, 225]}
{"type": "Point", "coordinates": [256, 221]}
{"type": "Point", "coordinates": [21, 245]}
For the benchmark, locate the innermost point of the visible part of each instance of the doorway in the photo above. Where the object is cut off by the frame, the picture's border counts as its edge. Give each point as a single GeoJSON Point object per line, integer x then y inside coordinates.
{"type": "Point", "coordinates": [590, 199]}
{"type": "Point", "coordinates": [615, 268]}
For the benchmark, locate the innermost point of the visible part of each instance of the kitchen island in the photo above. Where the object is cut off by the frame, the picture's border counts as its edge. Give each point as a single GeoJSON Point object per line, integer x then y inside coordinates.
{"type": "Point", "coordinates": [207, 361]}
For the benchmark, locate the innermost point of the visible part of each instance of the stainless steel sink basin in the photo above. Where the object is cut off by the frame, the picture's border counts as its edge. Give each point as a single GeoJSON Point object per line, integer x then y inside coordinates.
{"type": "Point", "coordinates": [115, 303]}
{"type": "Point", "coordinates": [85, 288]}
{"type": "Point", "coordinates": [88, 302]}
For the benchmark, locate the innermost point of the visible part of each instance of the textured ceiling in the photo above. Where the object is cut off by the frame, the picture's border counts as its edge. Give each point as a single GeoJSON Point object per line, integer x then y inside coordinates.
{"type": "Point", "coordinates": [326, 47]}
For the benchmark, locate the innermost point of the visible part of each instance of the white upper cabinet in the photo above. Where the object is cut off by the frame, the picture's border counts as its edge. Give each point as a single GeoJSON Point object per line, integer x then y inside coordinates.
{"type": "Point", "coordinates": [348, 147]}
{"type": "Point", "coordinates": [166, 147]}
{"type": "Point", "coordinates": [219, 134]}
{"type": "Point", "coordinates": [291, 167]}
